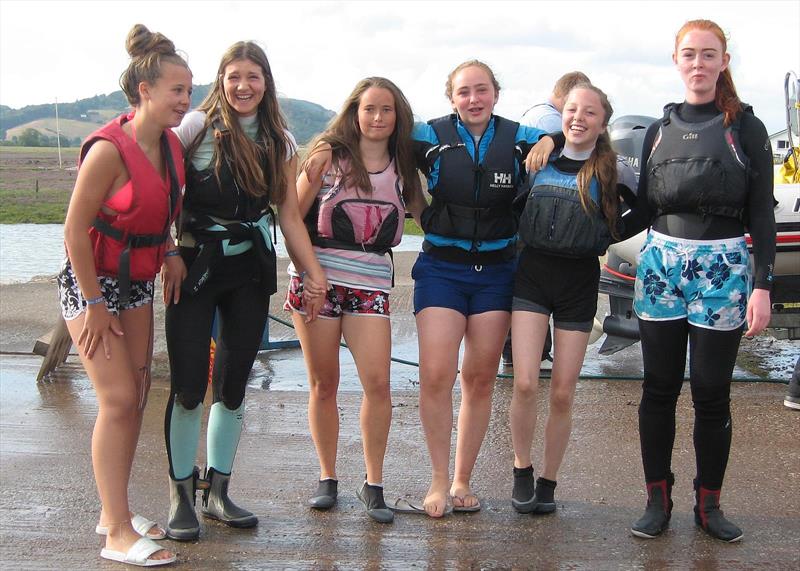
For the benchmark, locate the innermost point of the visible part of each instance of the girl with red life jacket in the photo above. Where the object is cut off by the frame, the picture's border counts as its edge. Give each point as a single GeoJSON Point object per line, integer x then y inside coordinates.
{"type": "Point", "coordinates": [355, 213]}
{"type": "Point", "coordinates": [241, 159]}
{"type": "Point", "coordinates": [126, 196]}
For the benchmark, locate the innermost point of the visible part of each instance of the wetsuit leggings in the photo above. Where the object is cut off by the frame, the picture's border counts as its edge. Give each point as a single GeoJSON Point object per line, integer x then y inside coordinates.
{"type": "Point", "coordinates": [236, 292]}
{"type": "Point", "coordinates": [712, 355]}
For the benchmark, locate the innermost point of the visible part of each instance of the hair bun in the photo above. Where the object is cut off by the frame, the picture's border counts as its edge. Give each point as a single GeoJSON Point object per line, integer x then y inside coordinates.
{"type": "Point", "coordinates": [141, 42]}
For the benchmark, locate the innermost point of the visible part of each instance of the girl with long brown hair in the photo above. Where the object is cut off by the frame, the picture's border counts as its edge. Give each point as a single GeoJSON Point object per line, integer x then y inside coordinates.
{"type": "Point", "coordinates": [241, 159]}
{"type": "Point", "coordinates": [355, 214]}
{"type": "Point", "coordinates": [570, 217]}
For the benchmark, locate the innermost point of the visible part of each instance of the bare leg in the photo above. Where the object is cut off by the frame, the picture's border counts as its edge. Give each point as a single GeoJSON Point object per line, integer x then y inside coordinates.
{"type": "Point", "coordinates": [570, 349]}
{"type": "Point", "coordinates": [483, 343]}
{"type": "Point", "coordinates": [116, 432]}
{"type": "Point", "coordinates": [529, 331]}
{"type": "Point", "coordinates": [370, 341]}
{"type": "Point", "coordinates": [440, 331]}
{"type": "Point", "coordinates": [320, 342]}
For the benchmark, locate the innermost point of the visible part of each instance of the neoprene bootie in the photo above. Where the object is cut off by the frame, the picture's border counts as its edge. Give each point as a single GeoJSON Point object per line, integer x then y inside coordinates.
{"type": "Point", "coordinates": [372, 498]}
{"type": "Point", "coordinates": [658, 511]}
{"type": "Point", "coordinates": [217, 505]}
{"type": "Point", "coordinates": [708, 516]}
{"type": "Point", "coordinates": [523, 498]}
{"type": "Point", "coordinates": [183, 524]}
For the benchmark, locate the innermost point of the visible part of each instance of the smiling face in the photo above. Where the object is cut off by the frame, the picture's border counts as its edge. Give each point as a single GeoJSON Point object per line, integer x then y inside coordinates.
{"type": "Point", "coordinates": [473, 98]}
{"type": "Point", "coordinates": [700, 57]}
{"type": "Point", "coordinates": [244, 85]}
{"type": "Point", "coordinates": [376, 114]}
{"type": "Point", "coordinates": [168, 99]}
{"type": "Point", "coordinates": [584, 119]}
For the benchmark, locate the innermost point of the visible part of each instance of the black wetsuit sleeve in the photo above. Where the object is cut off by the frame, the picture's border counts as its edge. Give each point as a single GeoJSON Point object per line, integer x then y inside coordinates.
{"type": "Point", "coordinates": [420, 160]}
{"type": "Point", "coordinates": [760, 210]}
{"type": "Point", "coordinates": [641, 215]}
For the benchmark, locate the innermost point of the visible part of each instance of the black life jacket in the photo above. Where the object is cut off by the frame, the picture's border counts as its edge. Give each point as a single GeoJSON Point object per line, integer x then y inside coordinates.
{"type": "Point", "coordinates": [221, 216]}
{"type": "Point", "coordinates": [473, 200]}
{"type": "Point", "coordinates": [698, 167]}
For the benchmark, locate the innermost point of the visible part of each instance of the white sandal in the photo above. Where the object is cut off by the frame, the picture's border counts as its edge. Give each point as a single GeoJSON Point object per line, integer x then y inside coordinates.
{"type": "Point", "coordinates": [141, 525]}
{"type": "Point", "coordinates": [138, 554]}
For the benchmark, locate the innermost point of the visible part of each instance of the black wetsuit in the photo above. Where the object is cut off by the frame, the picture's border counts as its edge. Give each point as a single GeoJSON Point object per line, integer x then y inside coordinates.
{"type": "Point", "coordinates": [712, 353]}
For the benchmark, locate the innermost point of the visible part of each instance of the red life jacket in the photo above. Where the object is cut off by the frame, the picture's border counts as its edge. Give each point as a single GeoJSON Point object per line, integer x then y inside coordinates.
{"type": "Point", "coordinates": [130, 245]}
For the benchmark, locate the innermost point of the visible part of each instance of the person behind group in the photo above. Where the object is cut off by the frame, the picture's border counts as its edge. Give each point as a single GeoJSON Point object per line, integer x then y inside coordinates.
{"type": "Point", "coordinates": [578, 194]}
{"type": "Point", "coordinates": [708, 179]}
{"type": "Point", "coordinates": [126, 195]}
{"type": "Point", "coordinates": [241, 158]}
{"type": "Point", "coordinates": [356, 213]}
{"type": "Point", "coordinates": [547, 117]}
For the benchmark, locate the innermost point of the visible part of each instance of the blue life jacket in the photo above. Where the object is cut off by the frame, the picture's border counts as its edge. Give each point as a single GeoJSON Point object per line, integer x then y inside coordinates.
{"type": "Point", "coordinates": [554, 220]}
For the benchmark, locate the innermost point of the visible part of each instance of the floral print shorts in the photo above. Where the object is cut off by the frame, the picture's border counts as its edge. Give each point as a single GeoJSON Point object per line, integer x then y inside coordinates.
{"type": "Point", "coordinates": [707, 282]}
{"type": "Point", "coordinates": [73, 304]}
{"type": "Point", "coordinates": [340, 300]}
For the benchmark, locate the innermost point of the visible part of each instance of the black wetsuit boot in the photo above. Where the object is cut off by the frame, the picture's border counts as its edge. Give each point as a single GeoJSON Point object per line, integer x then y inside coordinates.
{"type": "Point", "coordinates": [658, 512]}
{"type": "Point", "coordinates": [217, 505]}
{"type": "Point", "coordinates": [708, 516]}
{"type": "Point", "coordinates": [182, 524]}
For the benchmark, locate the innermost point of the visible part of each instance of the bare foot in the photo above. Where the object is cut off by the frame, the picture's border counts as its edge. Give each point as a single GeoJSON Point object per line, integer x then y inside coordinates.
{"type": "Point", "coordinates": [435, 502]}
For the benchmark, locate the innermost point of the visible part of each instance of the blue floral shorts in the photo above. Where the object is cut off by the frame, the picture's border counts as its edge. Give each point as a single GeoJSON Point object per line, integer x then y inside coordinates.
{"type": "Point", "coordinates": [706, 282]}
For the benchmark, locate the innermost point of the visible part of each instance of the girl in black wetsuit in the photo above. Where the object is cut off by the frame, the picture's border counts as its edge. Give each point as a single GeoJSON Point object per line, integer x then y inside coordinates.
{"type": "Point", "coordinates": [241, 158]}
{"type": "Point", "coordinates": [708, 177]}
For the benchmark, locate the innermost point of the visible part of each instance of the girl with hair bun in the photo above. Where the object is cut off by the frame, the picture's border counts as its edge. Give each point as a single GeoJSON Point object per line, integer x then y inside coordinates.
{"type": "Point", "coordinates": [708, 179]}
{"type": "Point", "coordinates": [126, 196]}
{"type": "Point", "coordinates": [241, 159]}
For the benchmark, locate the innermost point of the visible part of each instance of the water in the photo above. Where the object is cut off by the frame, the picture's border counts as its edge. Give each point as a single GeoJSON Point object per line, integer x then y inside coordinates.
{"type": "Point", "coordinates": [29, 251]}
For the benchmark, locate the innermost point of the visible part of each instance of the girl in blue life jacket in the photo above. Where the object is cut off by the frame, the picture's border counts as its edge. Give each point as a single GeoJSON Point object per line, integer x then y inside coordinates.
{"type": "Point", "coordinates": [570, 218]}
{"type": "Point", "coordinates": [355, 213]}
{"type": "Point", "coordinates": [475, 165]}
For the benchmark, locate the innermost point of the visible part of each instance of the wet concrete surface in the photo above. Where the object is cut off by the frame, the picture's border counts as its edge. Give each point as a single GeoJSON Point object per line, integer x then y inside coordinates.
{"type": "Point", "coordinates": [49, 506]}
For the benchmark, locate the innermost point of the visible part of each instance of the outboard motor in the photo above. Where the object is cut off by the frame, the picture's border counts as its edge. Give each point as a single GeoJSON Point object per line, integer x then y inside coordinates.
{"type": "Point", "coordinates": [619, 272]}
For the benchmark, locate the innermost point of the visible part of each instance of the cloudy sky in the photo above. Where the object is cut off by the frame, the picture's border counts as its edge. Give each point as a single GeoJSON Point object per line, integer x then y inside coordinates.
{"type": "Point", "coordinates": [319, 50]}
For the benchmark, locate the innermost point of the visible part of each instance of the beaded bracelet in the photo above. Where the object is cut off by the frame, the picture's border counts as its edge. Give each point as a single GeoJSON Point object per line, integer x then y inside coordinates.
{"type": "Point", "coordinates": [174, 252]}
{"type": "Point", "coordinates": [95, 300]}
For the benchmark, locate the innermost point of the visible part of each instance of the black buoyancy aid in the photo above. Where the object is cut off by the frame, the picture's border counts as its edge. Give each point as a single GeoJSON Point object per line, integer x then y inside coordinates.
{"type": "Point", "coordinates": [220, 215]}
{"type": "Point", "coordinates": [473, 200]}
{"type": "Point", "coordinates": [555, 222]}
{"type": "Point", "coordinates": [698, 167]}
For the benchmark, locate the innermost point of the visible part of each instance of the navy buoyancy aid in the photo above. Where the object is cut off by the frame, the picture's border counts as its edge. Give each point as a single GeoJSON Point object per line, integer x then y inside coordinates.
{"type": "Point", "coordinates": [554, 220]}
{"type": "Point", "coordinates": [698, 167]}
{"type": "Point", "coordinates": [472, 200]}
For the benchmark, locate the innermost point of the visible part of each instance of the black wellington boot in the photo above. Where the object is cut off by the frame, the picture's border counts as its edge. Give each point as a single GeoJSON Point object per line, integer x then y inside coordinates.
{"type": "Point", "coordinates": [183, 524]}
{"type": "Point", "coordinates": [708, 516]}
{"type": "Point", "coordinates": [217, 505]}
{"type": "Point", "coordinates": [659, 509]}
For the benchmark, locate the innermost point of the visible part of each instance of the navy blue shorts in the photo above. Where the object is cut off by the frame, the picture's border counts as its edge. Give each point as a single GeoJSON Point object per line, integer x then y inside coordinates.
{"type": "Point", "coordinates": [465, 288]}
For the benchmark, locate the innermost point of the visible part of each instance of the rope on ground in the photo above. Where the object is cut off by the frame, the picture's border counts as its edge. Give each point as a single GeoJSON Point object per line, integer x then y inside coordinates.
{"type": "Point", "coordinates": [545, 375]}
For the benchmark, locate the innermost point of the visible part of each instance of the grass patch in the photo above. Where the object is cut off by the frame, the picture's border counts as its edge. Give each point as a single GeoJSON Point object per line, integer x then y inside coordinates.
{"type": "Point", "coordinates": [411, 228]}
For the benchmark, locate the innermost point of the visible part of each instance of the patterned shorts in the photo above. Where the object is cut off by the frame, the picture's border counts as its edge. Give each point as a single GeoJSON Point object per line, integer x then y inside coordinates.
{"type": "Point", "coordinates": [340, 300]}
{"type": "Point", "coordinates": [73, 304]}
{"type": "Point", "coordinates": [707, 282]}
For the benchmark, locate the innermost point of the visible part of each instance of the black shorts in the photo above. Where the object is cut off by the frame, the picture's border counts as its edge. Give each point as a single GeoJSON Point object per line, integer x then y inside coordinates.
{"type": "Point", "coordinates": [565, 288]}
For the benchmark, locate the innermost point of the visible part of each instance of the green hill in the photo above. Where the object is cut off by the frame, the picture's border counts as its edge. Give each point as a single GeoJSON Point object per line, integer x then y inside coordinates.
{"type": "Point", "coordinates": [81, 117]}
